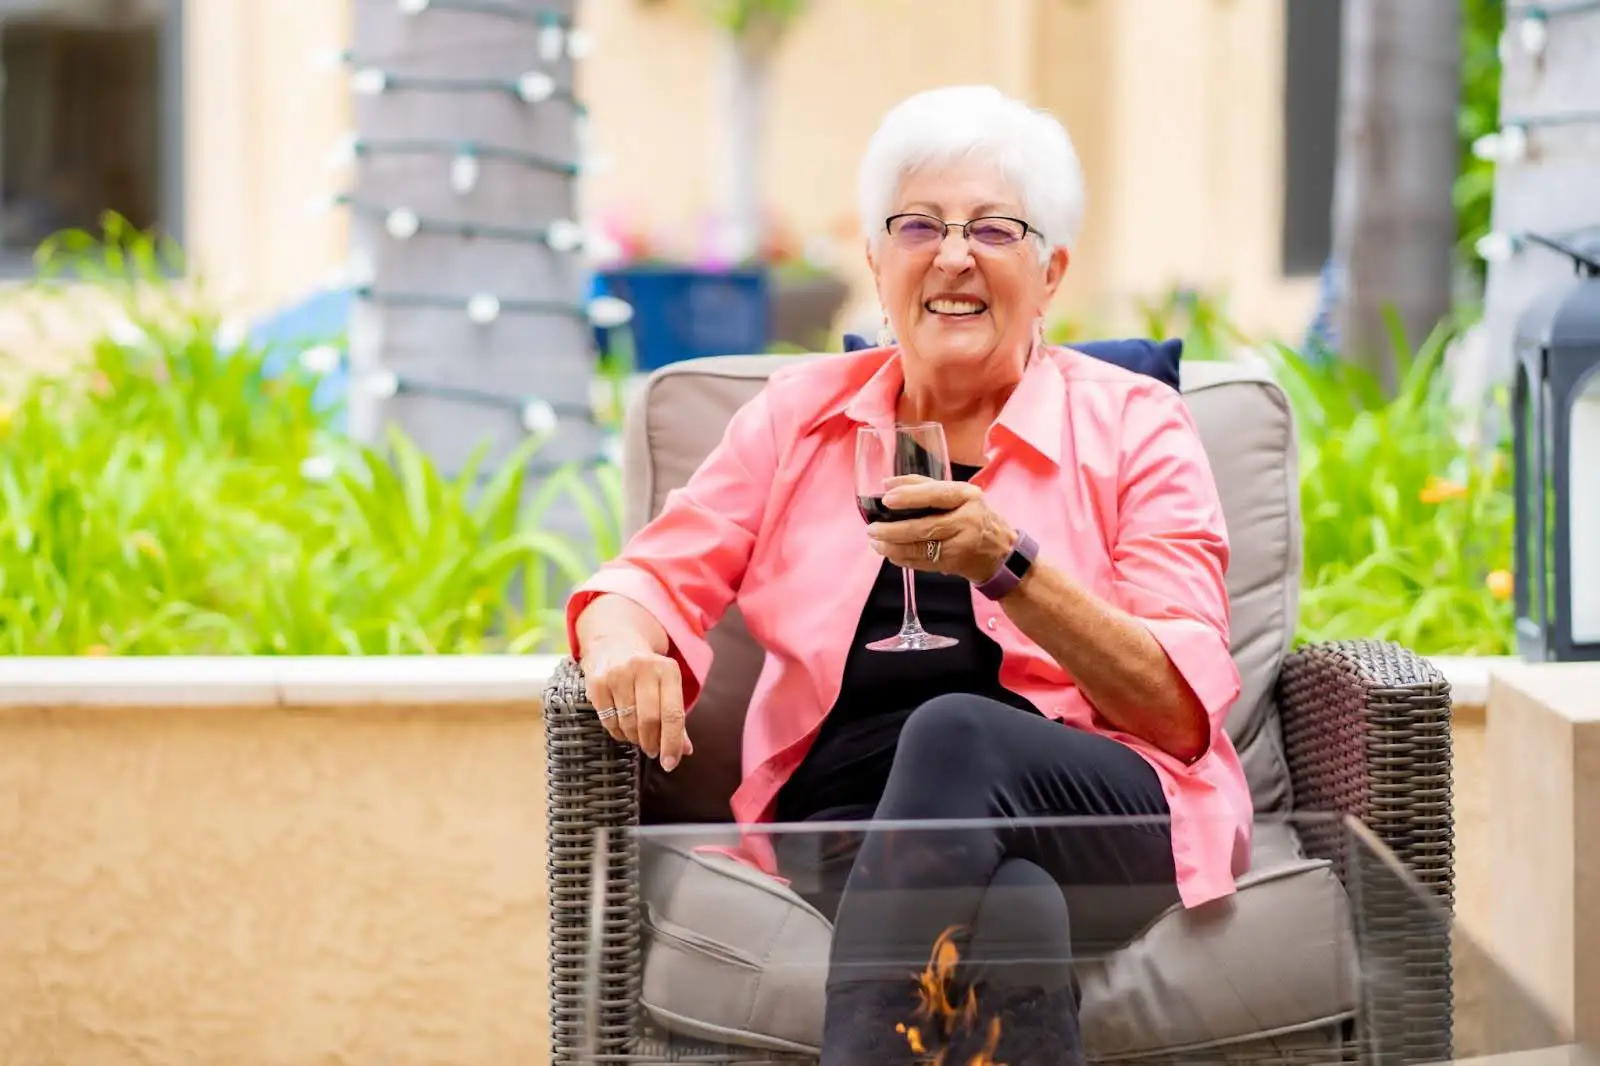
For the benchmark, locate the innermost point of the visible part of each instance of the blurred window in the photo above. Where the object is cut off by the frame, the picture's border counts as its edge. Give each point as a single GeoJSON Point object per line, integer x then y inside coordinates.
{"type": "Point", "coordinates": [90, 119]}
{"type": "Point", "coordinates": [1310, 131]}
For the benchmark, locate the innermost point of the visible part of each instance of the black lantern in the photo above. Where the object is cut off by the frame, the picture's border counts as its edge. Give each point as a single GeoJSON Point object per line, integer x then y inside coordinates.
{"type": "Point", "coordinates": [1556, 419]}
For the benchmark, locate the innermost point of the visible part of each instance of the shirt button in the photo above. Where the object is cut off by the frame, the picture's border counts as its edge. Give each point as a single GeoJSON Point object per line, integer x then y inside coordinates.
{"type": "Point", "coordinates": [992, 625]}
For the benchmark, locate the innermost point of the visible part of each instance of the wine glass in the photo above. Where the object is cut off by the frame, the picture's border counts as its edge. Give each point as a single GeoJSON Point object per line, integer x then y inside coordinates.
{"type": "Point", "coordinates": [886, 452]}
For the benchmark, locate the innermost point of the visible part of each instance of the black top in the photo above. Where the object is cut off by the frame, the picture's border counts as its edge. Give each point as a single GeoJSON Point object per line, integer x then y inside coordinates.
{"type": "Point", "coordinates": [844, 773]}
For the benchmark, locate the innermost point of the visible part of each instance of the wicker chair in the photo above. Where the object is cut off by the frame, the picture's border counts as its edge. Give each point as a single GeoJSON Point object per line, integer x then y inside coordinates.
{"type": "Point", "coordinates": [1361, 728]}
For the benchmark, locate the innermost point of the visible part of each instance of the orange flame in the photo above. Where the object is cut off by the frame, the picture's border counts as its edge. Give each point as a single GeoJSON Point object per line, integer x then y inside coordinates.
{"type": "Point", "coordinates": [939, 1007]}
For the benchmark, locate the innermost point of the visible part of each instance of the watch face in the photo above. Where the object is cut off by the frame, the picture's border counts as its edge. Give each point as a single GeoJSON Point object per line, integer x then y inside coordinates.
{"type": "Point", "coordinates": [1018, 563]}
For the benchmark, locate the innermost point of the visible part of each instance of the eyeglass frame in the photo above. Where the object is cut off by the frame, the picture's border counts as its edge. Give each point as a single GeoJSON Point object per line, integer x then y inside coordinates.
{"type": "Point", "coordinates": [965, 227]}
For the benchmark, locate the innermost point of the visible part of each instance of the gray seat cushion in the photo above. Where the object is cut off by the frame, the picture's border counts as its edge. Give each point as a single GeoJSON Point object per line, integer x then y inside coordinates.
{"type": "Point", "coordinates": [733, 957]}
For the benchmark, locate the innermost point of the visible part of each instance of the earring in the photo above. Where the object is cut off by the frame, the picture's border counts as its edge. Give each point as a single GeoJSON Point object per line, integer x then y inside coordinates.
{"type": "Point", "coordinates": [885, 334]}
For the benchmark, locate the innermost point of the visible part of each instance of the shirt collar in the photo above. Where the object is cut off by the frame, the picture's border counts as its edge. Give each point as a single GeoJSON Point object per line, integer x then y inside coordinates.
{"type": "Point", "coordinates": [1032, 415]}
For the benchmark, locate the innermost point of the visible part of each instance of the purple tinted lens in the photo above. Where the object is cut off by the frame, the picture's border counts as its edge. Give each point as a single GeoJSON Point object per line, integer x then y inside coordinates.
{"type": "Point", "coordinates": [994, 231]}
{"type": "Point", "coordinates": [920, 229]}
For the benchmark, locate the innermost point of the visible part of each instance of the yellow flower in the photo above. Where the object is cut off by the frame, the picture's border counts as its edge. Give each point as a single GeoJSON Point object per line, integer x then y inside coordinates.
{"type": "Point", "coordinates": [145, 544]}
{"type": "Point", "coordinates": [1438, 490]}
{"type": "Point", "coordinates": [1499, 584]}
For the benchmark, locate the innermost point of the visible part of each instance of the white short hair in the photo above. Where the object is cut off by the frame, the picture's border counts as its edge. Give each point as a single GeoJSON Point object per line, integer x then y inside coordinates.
{"type": "Point", "coordinates": [959, 123]}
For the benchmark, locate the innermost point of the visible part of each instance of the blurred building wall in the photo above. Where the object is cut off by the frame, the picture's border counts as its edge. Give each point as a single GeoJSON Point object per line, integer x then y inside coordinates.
{"type": "Point", "coordinates": [1175, 105]}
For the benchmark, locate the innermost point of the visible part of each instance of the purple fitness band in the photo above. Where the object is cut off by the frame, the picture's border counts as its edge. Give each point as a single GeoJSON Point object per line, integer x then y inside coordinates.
{"type": "Point", "coordinates": [1010, 574]}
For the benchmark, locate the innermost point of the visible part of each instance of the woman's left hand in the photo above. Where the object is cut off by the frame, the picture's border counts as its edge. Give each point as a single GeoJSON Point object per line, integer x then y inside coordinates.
{"type": "Point", "coordinates": [969, 539]}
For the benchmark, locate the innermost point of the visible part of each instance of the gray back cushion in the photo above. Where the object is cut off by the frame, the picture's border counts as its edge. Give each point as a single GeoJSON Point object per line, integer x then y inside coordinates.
{"type": "Point", "coordinates": [1248, 430]}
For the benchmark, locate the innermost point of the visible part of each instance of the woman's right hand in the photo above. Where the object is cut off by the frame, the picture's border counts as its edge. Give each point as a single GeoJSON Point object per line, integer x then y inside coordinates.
{"type": "Point", "coordinates": [638, 696]}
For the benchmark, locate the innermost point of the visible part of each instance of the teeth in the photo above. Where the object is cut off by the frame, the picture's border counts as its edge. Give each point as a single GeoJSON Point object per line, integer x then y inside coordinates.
{"type": "Point", "coordinates": [954, 307]}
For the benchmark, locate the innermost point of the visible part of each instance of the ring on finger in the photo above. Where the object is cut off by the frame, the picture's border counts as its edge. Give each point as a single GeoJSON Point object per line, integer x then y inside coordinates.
{"type": "Point", "coordinates": [624, 711]}
{"type": "Point", "coordinates": [608, 713]}
{"type": "Point", "coordinates": [933, 548]}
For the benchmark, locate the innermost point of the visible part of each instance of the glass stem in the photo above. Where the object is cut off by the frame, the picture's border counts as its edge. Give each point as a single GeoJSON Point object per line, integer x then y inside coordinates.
{"type": "Point", "coordinates": [910, 623]}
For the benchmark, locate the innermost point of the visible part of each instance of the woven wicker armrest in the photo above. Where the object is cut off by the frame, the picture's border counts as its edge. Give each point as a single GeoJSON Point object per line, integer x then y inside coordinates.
{"type": "Point", "coordinates": [592, 784]}
{"type": "Point", "coordinates": [1366, 728]}
{"type": "Point", "coordinates": [1367, 731]}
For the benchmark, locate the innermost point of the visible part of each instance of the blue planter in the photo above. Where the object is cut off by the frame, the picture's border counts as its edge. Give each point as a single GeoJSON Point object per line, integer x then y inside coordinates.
{"type": "Point", "coordinates": [682, 313]}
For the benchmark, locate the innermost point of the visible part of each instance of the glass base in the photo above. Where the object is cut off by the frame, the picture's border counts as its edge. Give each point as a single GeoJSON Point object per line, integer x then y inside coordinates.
{"type": "Point", "coordinates": [913, 640]}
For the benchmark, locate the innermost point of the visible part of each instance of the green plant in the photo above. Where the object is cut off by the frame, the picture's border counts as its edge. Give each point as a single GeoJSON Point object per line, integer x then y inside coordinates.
{"type": "Point", "coordinates": [1479, 114]}
{"type": "Point", "coordinates": [1407, 526]}
{"type": "Point", "coordinates": [164, 495]}
{"type": "Point", "coordinates": [1201, 321]}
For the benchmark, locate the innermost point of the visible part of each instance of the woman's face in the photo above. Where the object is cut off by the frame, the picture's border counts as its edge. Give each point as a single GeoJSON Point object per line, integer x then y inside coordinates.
{"type": "Point", "coordinates": [957, 301]}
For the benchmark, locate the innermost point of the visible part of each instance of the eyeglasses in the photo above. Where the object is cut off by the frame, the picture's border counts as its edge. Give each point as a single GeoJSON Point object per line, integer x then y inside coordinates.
{"type": "Point", "coordinates": [918, 232]}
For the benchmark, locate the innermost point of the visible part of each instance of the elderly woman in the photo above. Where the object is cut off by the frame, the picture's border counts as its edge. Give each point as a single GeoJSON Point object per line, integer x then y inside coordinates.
{"type": "Point", "coordinates": [1076, 553]}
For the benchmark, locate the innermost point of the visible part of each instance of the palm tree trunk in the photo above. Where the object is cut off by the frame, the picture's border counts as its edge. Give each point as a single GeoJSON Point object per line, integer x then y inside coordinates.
{"type": "Point", "coordinates": [1393, 214]}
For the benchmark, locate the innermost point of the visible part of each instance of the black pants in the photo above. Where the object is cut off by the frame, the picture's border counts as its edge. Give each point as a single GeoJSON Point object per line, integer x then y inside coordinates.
{"type": "Point", "coordinates": [1021, 903]}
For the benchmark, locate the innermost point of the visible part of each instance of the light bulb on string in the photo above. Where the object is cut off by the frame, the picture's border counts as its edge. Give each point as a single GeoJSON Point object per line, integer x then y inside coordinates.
{"type": "Point", "coordinates": [483, 309]}
{"type": "Point", "coordinates": [381, 384]}
{"type": "Point", "coordinates": [1508, 145]}
{"type": "Point", "coordinates": [344, 152]}
{"type": "Point", "coordinates": [564, 235]}
{"type": "Point", "coordinates": [369, 81]}
{"type": "Point", "coordinates": [552, 41]}
{"type": "Point", "coordinates": [538, 417]}
{"type": "Point", "coordinates": [580, 44]}
{"type": "Point", "coordinates": [326, 60]}
{"type": "Point", "coordinates": [1534, 32]}
{"type": "Point", "coordinates": [535, 87]}
{"type": "Point", "coordinates": [608, 312]}
{"type": "Point", "coordinates": [321, 359]}
{"type": "Point", "coordinates": [402, 223]}
{"type": "Point", "coordinates": [464, 173]}
{"type": "Point", "coordinates": [1495, 247]}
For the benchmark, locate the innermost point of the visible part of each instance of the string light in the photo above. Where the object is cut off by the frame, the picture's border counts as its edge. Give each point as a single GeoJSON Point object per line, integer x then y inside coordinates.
{"type": "Point", "coordinates": [603, 312]}
{"type": "Point", "coordinates": [1510, 143]}
{"type": "Point", "coordinates": [1532, 24]}
{"type": "Point", "coordinates": [402, 223]}
{"type": "Point", "coordinates": [532, 87]}
{"type": "Point", "coordinates": [321, 359]}
{"type": "Point", "coordinates": [501, 8]}
{"type": "Point", "coordinates": [353, 147]}
{"type": "Point", "coordinates": [536, 414]}
{"type": "Point", "coordinates": [1499, 247]}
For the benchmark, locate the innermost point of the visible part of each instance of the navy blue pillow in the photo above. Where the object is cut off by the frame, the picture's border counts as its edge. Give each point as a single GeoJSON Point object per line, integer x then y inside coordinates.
{"type": "Point", "coordinates": [1157, 359]}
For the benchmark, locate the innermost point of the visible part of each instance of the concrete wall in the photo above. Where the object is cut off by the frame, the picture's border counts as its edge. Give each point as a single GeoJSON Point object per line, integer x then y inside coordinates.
{"type": "Point", "coordinates": [266, 864]}
{"type": "Point", "coordinates": [1175, 106]}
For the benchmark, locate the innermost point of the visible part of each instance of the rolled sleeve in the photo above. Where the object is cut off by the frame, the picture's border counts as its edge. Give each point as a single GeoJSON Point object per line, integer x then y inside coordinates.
{"type": "Point", "coordinates": [685, 566]}
{"type": "Point", "coordinates": [1171, 550]}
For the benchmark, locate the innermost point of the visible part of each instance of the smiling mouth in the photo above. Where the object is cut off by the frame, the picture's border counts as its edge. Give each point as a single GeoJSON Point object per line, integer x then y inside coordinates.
{"type": "Point", "coordinates": [955, 308]}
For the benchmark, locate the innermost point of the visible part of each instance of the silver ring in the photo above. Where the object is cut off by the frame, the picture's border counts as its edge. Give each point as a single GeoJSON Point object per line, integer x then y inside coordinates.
{"type": "Point", "coordinates": [624, 711]}
{"type": "Point", "coordinates": [607, 714]}
{"type": "Point", "coordinates": [933, 551]}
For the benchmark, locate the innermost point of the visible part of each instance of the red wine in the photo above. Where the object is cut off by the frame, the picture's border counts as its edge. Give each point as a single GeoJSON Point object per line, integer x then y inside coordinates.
{"type": "Point", "coordinates": [873, 510]}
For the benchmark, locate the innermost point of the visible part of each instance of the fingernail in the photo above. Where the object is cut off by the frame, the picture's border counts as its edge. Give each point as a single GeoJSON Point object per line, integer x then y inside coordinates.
{"type": "Point", "coordinates": [669, 763]}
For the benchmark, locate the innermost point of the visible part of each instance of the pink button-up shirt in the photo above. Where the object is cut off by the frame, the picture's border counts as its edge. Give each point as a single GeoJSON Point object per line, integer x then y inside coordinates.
{"type": "Point", "coordinates": [1102, 465]}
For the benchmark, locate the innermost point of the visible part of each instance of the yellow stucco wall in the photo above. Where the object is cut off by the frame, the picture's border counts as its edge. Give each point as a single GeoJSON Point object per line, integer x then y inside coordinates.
{"type": "Point", "coordinates": [1175, 106]}
{"type": "Point", "coordinates": [269, 886]}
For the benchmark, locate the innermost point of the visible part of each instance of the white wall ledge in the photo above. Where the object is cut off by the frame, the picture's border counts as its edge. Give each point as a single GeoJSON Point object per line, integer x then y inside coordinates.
{"type": "Point", "coordinates": [337, 680]}
{"type": "Point", "coordinates": [273, 681]}
{"type": "Point", "coordinates": [1469, 676]}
